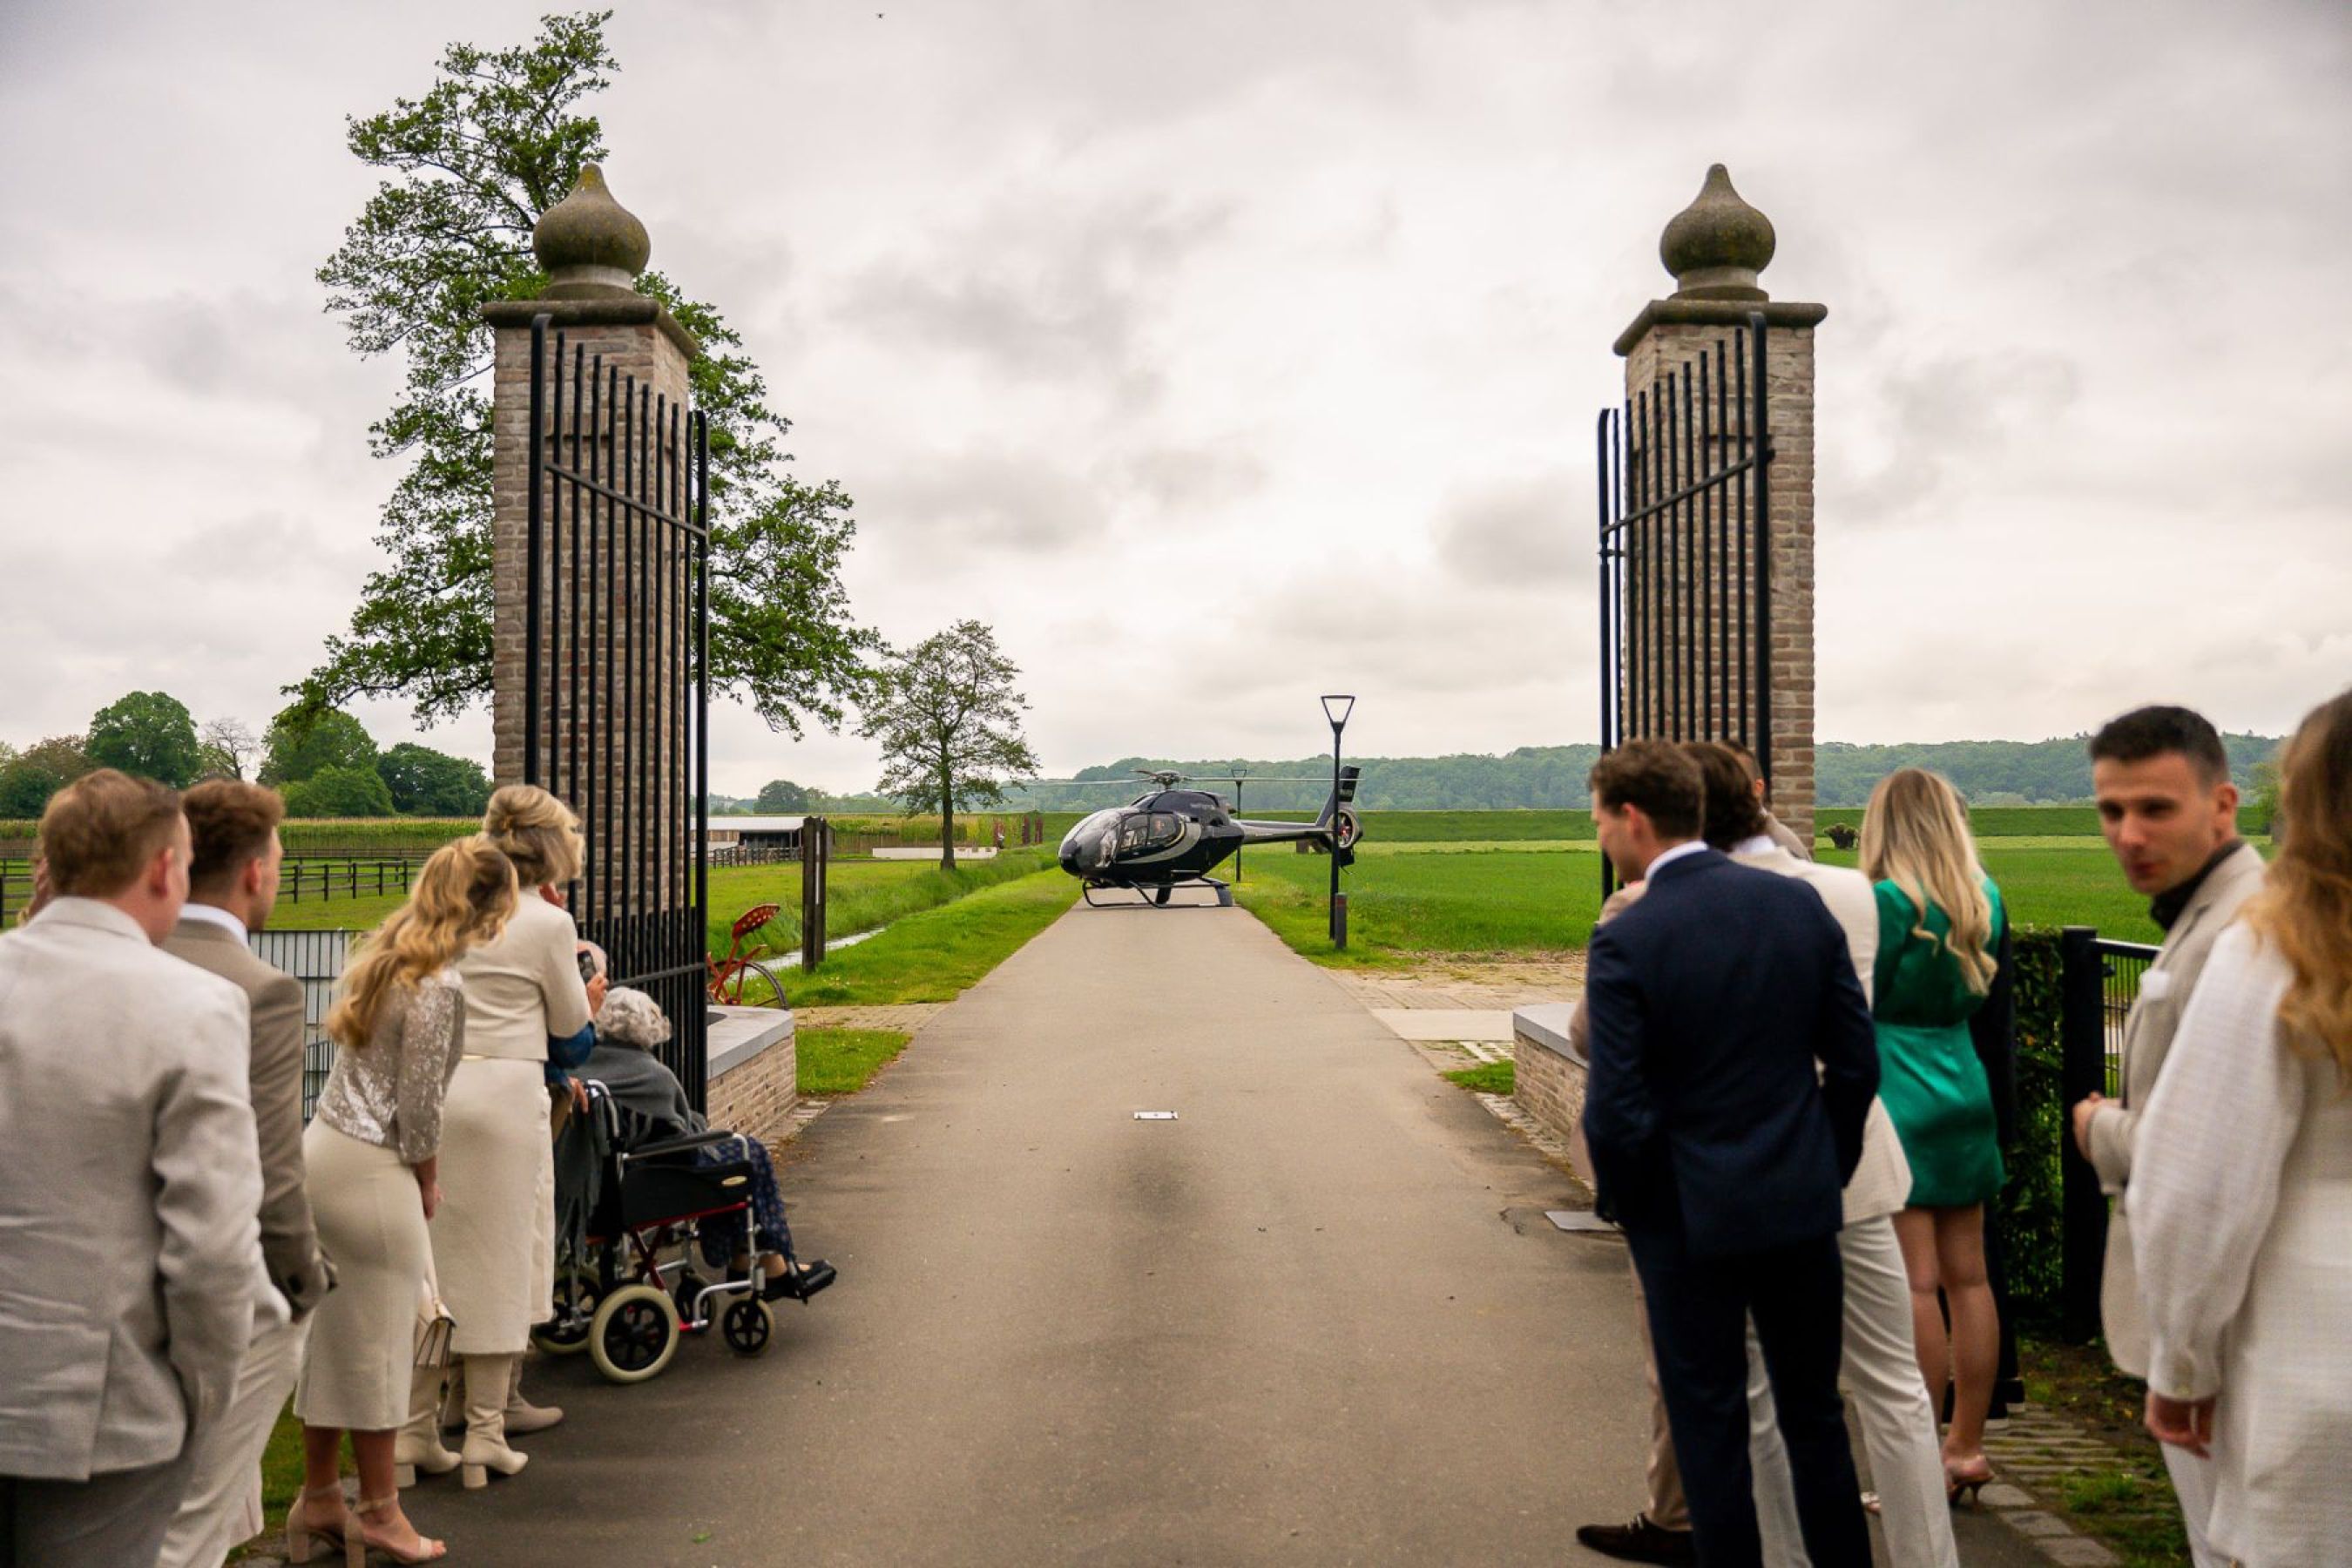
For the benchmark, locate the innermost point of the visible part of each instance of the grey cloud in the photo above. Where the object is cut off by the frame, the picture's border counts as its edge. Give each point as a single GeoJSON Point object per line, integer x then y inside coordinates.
{"type": "Point", "coordinates": [1942, 416]}
{"type": "Point", "coordinates": [1041, 290]}
{"type": "Point", "coordinates": [959, 503]}
{"type": "Point", "coordinates": [1522, 534]}
{"type": "Point", "coordinates": [268, 545]}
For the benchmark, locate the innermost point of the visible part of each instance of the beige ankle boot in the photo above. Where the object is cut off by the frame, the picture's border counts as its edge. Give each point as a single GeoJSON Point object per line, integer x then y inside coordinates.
{"type": "Point", "coordinates": [523, 1417]}
{"type": "Point", "coordinates": [418, 1446]}
{"type": "Point", "coordinates": [485, 1420]}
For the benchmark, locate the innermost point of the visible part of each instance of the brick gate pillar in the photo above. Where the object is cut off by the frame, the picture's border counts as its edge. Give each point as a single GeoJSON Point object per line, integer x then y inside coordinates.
{"type": "Point", "coordinates": [1714, 249]}
{"type": "Point", "coordinates": [592, 249]}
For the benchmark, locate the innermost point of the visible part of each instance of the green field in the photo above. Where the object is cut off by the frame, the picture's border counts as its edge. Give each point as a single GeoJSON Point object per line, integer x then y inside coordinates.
{"type": "Point", "coordinates": [1490, 897]}
{"type": "Point", "coordinates": [861, 895]}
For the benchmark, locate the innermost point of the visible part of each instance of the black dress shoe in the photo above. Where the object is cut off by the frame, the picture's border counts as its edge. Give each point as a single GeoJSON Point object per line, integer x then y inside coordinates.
{"type": "Point", "coordinates": [1640, 1541]}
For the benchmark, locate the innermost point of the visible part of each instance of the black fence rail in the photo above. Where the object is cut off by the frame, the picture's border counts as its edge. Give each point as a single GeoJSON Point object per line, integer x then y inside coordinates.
{"type": "Point", "coordinates": [314, 880]}
{"type": "Point", "coordinates": [2098, 980]}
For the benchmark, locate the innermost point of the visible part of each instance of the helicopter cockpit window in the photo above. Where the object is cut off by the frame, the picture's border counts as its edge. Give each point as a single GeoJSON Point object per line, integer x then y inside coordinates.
{"type": "Point", "coordinates": [1165, 826]}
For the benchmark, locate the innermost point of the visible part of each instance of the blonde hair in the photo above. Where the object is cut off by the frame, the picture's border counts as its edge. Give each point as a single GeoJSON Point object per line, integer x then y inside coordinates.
{"type": "Point", "coordinates": [462, 896]}
{"type": "Point", "coordinates": [1916, 835]}
{"type": "Point", "coordinates": [101, 832]}
{"type": "Point", "coordinates": [2304, 909]}
{"type": "Point", "coordinates": [536, 831]}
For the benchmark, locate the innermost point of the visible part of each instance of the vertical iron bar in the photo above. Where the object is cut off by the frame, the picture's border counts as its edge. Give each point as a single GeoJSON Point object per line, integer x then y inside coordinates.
{"type": "Point", "coordinates": [532, 488]}
{"type": "Point", "coordinates": [1704, 556]}
{"type": "Point", "coordinates": [701, 427]}
{"type": "Point", "coordinates": [2082, 1070]}
{"type": "Point", "coordinates": [1763, 553]}
{"type": "Point", "coordinates": [1739, 509]}
{"type": "Point", "coordinates": [572, 709]}
{"type": "Point", "coordinates": [1728, 586]}
{"type": "Point", "coordinates": [1685, 523]}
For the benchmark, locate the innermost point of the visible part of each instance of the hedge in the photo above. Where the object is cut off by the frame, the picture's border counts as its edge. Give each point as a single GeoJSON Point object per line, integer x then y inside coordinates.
{"type": "Point", "coordinates": [2030, 1213]}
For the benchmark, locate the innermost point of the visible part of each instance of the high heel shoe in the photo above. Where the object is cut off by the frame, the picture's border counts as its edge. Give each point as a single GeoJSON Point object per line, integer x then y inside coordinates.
{"type": "Point", "coordinates": [1966, 1479]}
{"type": "Point", "coordinates": [427, 1550]}
{"type": "Point", "coordinates": [302, 1531]}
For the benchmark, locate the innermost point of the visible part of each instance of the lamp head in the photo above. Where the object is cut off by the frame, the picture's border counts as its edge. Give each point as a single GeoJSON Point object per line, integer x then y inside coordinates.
{"type": "Point", "coordinates": [1337, 709]}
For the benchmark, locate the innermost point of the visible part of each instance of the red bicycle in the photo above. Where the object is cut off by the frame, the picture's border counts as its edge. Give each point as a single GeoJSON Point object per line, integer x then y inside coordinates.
{"type": "Point", "coordinates": [739, 980]}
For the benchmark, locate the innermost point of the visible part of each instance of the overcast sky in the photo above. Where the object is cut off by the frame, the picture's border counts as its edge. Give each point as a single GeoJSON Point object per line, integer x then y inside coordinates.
{"type": "Point", "coordinates": [1223, 354]}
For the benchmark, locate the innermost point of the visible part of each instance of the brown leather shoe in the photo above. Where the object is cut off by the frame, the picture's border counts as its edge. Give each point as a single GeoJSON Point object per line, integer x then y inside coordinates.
{"type": "Point", "coordinates": [1640, 1541]}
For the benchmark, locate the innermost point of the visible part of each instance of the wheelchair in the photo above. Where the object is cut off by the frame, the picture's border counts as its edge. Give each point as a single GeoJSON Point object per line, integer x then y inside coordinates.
{"type": "Point", "coordinates": [635, 1293]}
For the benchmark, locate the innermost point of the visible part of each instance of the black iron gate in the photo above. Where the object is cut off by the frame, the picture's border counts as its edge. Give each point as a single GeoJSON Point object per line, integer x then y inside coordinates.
{"type": "Point", "coordinates": [616, 684]}
{"type": "Point", "coordinates": [1686, 562]}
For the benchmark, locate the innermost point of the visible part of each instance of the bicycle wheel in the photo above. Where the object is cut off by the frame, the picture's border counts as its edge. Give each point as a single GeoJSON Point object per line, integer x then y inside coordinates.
{"type": "Point", "coordinates": [754, 985]}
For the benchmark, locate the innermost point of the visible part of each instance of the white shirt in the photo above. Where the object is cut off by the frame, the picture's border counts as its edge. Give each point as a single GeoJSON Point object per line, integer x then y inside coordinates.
{"type": "Point", "coordinates": [213, 914]}
{"type": "Point", "coordinates": [1762, 844]}
{"type": "Point", "coordinates": [1689, 846]}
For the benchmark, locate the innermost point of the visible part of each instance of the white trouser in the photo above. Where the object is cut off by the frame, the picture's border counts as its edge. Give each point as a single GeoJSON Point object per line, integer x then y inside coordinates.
{"type": "Point", "coordinates": [1898, 1428]}
{"type": "Point", "coordinates": [221, 1507]}
{"type": "Point", "coordinates": [2192, 1483]}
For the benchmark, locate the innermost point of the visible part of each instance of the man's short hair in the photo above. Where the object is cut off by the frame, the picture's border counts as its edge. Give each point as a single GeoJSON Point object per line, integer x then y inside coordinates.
{"type": "Point", "coordinates": [1732, 815]}
{"type": "Point", "coordinates": [229, 824]}
{"type": "Point", "coordinates": [1656, 776]}
{"type": "Point", "coordinates": [2159, 731]}
{"type": "Point", "coordinates": [100, 832]}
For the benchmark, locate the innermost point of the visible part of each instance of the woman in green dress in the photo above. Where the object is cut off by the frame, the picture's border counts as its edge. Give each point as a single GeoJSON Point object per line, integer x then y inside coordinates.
{"type": "Point", "coordinates": [1939, 925]}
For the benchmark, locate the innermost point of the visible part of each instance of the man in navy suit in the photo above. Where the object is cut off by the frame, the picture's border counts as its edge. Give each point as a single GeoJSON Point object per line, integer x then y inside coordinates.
{"type": "Point", "coordinates": [1720, 1149]}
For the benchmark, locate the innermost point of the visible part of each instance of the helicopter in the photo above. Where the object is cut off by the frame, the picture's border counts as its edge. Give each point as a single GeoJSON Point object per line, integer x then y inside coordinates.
{"type": "Point", "coordinates": [1172, 837]}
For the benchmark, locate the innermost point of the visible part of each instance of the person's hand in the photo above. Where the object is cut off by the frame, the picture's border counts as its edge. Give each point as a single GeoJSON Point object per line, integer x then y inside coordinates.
{"type": "Point", "coordinates": [2183, 1423]}
{"type": "Point", "coordinates": [553, 895]}
{"type": "Point", "coordinates": [579, 1096]}
{"type": "Point", "coordinates": [596, 989]}
{"type": "Point", "coordinates": [429, 1190]}
{"type": "Point", "coordinates": [2084, 1109]}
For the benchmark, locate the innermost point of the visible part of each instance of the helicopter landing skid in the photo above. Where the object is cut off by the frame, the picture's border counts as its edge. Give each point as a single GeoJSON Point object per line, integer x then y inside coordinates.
{"type": "Point", "coordinates": [1159, 897]}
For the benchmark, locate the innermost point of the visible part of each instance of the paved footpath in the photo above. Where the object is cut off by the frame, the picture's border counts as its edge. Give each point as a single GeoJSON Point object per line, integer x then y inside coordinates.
{"type": "Point", "coordinates": [1319, 1318]}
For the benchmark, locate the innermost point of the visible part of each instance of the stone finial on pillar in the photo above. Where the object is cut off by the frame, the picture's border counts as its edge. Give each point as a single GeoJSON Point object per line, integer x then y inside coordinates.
{"type": "Point", "coordinates": [590, 246]}
{"type": "Point", "coordinates": [1716, 249]}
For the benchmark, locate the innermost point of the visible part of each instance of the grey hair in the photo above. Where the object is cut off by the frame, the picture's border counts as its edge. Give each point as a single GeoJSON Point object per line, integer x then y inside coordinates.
{"type": "Point", "coordinates": [630, 1017]}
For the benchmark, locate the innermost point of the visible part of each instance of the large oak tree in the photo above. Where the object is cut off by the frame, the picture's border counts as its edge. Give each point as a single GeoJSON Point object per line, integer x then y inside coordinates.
{"type": "Point", "coordinates": [495, 141]}
{"type": "Point", "coordinates": [949, 720]}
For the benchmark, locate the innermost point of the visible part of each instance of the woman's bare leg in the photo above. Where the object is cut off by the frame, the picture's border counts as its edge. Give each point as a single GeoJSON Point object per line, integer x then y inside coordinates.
{"type": "Point", "coordinates": [1915, 1233]}
{"type": "Point", "coordinates": [1976, 1327]}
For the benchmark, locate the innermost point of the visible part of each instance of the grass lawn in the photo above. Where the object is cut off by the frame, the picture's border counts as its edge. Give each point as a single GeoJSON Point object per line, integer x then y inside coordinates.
{"type": "Point", "coordinates": [1487, 896]}
{"type": "Point", "coordinates": [842, 1061]}
{"type": "Point", "coordinates": [934, 954]}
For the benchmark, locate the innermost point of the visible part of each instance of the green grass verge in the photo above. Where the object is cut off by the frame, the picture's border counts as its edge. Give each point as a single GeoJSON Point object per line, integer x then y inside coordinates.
{"type": "Point", "coordinates": [1486, 1078]}
{"type": "Point", "coordinates": [842, 1061]}
{"type": "Point", "coordinates": [934, 955]}
{"type": "Point", "coordinates": [862, 895]}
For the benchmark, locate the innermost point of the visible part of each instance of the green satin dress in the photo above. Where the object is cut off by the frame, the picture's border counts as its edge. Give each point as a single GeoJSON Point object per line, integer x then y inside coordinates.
{"type": "Point", "coordinates": [1930, 1079]}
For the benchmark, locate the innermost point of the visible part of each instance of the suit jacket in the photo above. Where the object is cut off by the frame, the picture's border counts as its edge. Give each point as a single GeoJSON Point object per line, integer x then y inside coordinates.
{"type": "Point", "coordinates": [1713, 999]}
{"type": "Point", "coordinates": [289, 1241]}
{"type": "Point", "coordinates": [130, 1254]}
{"type": "Point", "coordinates": [2164, 992]}
{"type": "Point", "coordinates": [1881, 1183]}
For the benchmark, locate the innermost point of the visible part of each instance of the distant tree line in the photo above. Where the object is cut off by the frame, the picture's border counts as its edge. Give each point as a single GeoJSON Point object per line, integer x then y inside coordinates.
{"type": "Point", "coordinates": [1988, 773]}
{"type": "Point", "coordinates": [326, 765]}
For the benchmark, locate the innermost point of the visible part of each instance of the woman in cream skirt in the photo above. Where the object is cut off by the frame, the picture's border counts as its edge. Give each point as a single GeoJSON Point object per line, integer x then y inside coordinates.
{"type": "Point", "coordinates": [494, 1243]}
{"type": "Point", "coordinates": [373, 1180]}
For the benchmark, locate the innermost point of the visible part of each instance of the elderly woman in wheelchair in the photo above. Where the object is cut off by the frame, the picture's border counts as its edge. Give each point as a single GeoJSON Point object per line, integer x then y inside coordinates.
{"type": "Point", "coordinates": [644, 1183]}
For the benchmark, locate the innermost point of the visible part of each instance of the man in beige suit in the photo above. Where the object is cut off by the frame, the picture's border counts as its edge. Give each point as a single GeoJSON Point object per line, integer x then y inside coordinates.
{"type": "Point", "coordinates": [2170, 814]}
{"type": "Point", "coordinates": [232, 886]}
{"type": "Point", "coordinates": [128, 1251]}
{"type": "Point", "coordinates": [1881, 1366]}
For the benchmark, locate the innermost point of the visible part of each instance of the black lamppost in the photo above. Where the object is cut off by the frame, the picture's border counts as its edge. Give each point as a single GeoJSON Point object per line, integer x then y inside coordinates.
{"type": "Point", "coordinates": [1337, 709]}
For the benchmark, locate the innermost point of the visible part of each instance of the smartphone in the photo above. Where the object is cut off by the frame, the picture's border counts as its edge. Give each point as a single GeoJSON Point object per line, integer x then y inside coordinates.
{"type": "Point", "coordinates": [587, 961]}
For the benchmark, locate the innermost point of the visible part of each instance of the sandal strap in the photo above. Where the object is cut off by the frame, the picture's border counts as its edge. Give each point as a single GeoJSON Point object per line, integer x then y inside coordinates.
{"type": "Point", "coordinates": [374, 1504]}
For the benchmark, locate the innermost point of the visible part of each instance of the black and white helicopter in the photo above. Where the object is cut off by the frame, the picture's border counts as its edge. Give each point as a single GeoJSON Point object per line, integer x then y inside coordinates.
{"type": "Point", "coordinates": [1172, 837]}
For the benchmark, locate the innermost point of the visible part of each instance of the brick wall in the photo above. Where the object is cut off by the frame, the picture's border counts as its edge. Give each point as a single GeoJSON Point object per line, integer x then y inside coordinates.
{"type": "Point", "coordinates": [755, 1096]}
{"type": "Point", "coordinates": [1547, 1085]}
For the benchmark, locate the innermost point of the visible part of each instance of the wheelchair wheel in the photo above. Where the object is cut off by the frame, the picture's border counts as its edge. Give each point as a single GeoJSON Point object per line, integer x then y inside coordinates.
{"type": "Point", "coordinates": [634, 1333]}
{"type": "Point", "coordinates": [748, 1325]}
{"type": "Point", "coordinates": [577, 1297]}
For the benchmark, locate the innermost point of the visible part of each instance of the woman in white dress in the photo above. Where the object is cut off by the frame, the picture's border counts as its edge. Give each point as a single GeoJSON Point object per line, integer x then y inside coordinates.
{"type": "Point", "coordinates": [372, 1179]}
{"type": "Point", "coordinates": [2241, 1190]}
{"type": "Point", "coordinates": [494, 1244]}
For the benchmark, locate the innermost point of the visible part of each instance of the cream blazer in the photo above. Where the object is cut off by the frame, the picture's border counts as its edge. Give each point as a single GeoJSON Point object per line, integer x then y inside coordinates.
{"type": "Point", "coordinates": [129, 1190]}
{"type": "Point", "coordinates": [2156, 1013]}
